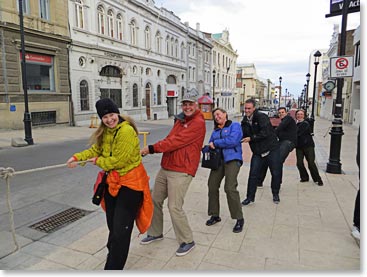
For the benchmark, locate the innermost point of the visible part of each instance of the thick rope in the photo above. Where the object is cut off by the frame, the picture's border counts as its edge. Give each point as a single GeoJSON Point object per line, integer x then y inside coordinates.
{"type": "Point", "coordinates": [6, 174]}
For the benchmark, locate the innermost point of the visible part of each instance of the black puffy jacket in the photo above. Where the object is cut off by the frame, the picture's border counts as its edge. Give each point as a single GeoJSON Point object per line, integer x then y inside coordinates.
{"type": "Point", "coordinates": [304, 137]}
{"type": "Point", "coordinates": [261, 132]}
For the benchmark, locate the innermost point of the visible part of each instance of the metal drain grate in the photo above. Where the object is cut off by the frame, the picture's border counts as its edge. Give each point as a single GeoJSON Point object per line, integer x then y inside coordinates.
{"type": "Point", "coordinates": [59, 220]}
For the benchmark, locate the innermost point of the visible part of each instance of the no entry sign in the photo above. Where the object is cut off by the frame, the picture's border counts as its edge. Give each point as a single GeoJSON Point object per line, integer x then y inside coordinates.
{"type": "Point", "coordinates": [341, 67]}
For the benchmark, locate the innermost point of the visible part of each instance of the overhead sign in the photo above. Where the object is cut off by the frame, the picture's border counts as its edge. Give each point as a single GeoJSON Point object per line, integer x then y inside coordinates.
{"type": "Point", "coordinates": [341, 67]}
{"type": "Point", "coordinates": [336, 7]}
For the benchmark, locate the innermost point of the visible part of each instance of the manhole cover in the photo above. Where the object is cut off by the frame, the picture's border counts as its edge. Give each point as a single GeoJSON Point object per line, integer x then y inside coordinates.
{"type": "Point", "coordinates": [59, 220]}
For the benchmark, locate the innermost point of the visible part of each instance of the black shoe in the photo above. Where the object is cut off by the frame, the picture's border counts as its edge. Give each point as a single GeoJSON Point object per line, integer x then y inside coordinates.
{"type": "Point", "coordinates": [212, 220]}
{"type": "Point", "coordinates": [247, 201]}
{"type": "Point", "coordinates": [304, 180]}
{"type": "Point", "coordinates": [260, 186]}
{"type": "Point", "coordinates": [276, 199]}
{"type": "Point", "coordinates": [239, 226]}
{"type": "Point", "coordinates": [320, 182]}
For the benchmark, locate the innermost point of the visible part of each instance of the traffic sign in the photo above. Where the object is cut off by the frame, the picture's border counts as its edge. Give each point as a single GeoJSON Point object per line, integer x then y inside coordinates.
{"type": "Point", "coordinates": [341, 67]}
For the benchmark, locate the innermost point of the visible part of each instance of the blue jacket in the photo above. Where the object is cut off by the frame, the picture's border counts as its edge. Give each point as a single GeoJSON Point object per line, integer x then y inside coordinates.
{"type": "Point", "coordinates": [229, 140]}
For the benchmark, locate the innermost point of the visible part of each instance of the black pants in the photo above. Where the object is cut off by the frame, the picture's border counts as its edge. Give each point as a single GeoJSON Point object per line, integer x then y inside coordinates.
{"type": "Point", "coordinates": [309, 154]}
{"type": "Point", "coordinates": [285, 147]}
{"type": "Point", "coordinates": [121, 212]}
{"type": "Point", "coordinates": [356, 212]}
{"type": "Point", "coordinates": [258, 163]}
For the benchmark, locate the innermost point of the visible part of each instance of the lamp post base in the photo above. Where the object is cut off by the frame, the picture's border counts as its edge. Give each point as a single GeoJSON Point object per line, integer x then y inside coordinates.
{"type": "Point", "coordinates": [27, 128]}
{"type": "Point", "coordinates": [336, 133]}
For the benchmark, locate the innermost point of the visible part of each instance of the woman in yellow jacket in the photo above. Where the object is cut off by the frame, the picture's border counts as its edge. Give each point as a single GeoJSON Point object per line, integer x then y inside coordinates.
{"type": "Point", "coordinates": [115, 148]}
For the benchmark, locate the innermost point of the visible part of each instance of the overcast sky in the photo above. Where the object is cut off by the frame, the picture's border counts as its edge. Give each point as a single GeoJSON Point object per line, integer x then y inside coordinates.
{"type": "Point", "coordinates": [276, 35]}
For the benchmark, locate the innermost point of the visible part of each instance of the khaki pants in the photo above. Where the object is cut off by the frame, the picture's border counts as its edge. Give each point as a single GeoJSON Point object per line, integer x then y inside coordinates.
{"type": "Point", "coordinates": [173, 185]}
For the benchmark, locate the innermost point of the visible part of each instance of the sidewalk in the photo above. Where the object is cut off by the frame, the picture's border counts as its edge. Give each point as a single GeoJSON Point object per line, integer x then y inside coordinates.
{"type": "Point", "coordinates": [308, 230]}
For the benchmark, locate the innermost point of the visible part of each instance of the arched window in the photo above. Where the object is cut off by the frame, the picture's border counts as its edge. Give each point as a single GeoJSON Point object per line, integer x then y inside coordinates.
{"type": "Point", "coordinates": [133, 31]}
{"type": "Point", "coordinates": [120, 27]}
{"type": "Point", "coordinates": [79, 14]}
{"type": "Point", "coordinates": [110, 23]}
{"type": "Point", "coordinates": [159, 95]}
{"type": "Point", "coordinates": [158, 42]}
{"type": "Point", "coordinates": [101, 20]}
{"type": "Point", "coordinates": [172, 46]}
{"type": "Point", "coordinates": [135, 96]}
{"type": "Point", "coordinates": [171, 79]}
{"type": "Point", "coordinates": [176, 48]}
{"type": "Point", "coordinates": [147, 38]}
{"type": "Point", "coordinates": [167, 45]}
{"type": "Point", "coordinates": [84, 95]}
{"type": "Point", "coordinates": [182, 51]}
{"type": "Point", "coordinates": [110, 71]}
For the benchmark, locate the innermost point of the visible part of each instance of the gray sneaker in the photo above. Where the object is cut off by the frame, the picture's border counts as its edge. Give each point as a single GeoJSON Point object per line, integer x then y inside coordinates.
{"type": "Point", "coordinates": [150, 239]}
{"type": "Point", "coordinates": [185, 248]}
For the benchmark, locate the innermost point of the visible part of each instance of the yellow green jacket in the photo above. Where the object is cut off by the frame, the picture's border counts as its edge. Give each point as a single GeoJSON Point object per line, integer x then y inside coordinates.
{"type": "Point", "coordinates": [125, 149]}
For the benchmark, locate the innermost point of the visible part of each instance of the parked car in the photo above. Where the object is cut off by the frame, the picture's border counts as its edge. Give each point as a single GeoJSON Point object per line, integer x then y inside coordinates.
{"type": "Point", "coordinates": [265, 110]}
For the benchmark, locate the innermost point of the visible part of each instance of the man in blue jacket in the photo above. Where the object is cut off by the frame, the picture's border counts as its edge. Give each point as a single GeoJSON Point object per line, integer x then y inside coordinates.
{"type": "Point", "coordinates": [259, 133]}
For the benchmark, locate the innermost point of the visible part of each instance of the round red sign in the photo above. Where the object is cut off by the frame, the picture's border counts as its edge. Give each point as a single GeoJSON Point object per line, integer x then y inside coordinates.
{"type": "Point", "coordinates": [341, 63]}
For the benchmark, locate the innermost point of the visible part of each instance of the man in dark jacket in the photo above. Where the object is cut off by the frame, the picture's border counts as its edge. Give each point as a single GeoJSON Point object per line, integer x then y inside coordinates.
{"type": "Point", "coordinates": [259, 133]}
{"type": "Point", "coordinates": [287, 135]}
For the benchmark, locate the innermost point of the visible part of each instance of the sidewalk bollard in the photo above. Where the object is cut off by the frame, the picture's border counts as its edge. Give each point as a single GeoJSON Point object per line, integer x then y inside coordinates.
{"type": "Point", "coordinates": [144, 137]}
{"type": "Point", "coordinates": [93, 121]}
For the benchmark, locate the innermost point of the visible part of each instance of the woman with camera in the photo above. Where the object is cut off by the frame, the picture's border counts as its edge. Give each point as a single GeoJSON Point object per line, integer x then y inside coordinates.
{"type": "Point", "coordinates": [115, 148]}
{"type": "Point", "coordinates": [226, 136]}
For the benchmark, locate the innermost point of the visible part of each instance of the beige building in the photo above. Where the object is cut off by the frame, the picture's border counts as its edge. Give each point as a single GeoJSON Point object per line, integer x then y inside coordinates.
{"type": "Point", "coordinates": [46, 39]}
{"type": "Point", "coordinates": [224, 59]}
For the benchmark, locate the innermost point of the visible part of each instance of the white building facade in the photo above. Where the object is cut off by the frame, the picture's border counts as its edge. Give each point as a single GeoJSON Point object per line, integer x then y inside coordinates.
{"type": "Point", "coordinates": [141, 56]}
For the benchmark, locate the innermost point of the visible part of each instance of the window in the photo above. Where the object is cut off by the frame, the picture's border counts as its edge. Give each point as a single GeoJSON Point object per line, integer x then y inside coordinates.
{"type": "Point", "coordinates": [25, 6]}
{"type": "Point", "coordinates": [45, 9]}
{"type": "Point", "coordinates": [172, 45]}
{"type": "Point", "coordinates": [158, 42]}
{"type": "Point", "coordinates": [159, 95]}
{"type": "Point", "coordinates": [110, 23]}
{"type": "Point", "coordinates": [176, 48]}
{"type": "Point", "coordinates": [148, 71]}
{"type": "Point", "coordinates": [135, 96]}
{"type": "Point", "coordinates": [84, 96]}
{"type": "Point", "coordinates": [357, 61]}
{"type": "Point", "coordinates": [39, 72]}
{"type": "Point", "coordinates": [182, 51]}
{"type": "Point", "coordinates": [101, 20]}
{"type": "Point", "coordinates": [167, 45]}
{"type": "Point", "coordinates": [133, 31]}
{"type": "Point", "coordinates": [147, 38]}
{"type": "Point", "coordinates": [79, 14]}
{"type": "Point", "coordinates": [114, 94]}
{"type": "Point", "coordinates": [119, 27]}
{"type": "Point", "coordinates": [110, 71]}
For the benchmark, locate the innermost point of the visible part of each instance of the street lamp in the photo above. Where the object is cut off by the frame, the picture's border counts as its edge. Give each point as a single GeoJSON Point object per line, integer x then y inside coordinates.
{"type": "Point", "coordinates": [280, 89]}
{"type": "Point", "coordinates": [243, 100]}
{"type": "Point", "coordinates": [27, 117]}
{"type": "Point", "coordinates": [213, 88]}
{"type": "Point", "coordinates": [308, 75]}
{"type": "Point", "coordinates": [336, 133]}
{"type": "Point", "coordinates": [300, 103]}
{"type": "Point", "coordinates": [285, 97]}
{"type": "Point", "coordinates": [317, 56]}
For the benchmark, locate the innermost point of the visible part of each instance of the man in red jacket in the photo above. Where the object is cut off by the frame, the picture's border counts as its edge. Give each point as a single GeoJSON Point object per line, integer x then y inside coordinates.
{"type": "Point", "coordinates": [181, 156]}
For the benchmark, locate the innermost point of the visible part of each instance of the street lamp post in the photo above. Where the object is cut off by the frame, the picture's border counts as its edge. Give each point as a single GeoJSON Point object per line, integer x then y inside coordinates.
{"type": "Point", "coordinates": [285, 97]}
{"type": "Point", "coordinates": [317, 56]}
{"type": "Point", "coordinates": [280, 89]}
{"type": "Point", "coordinates": [336, 133]}
{"type": "Point", "coordinates": [308, 75]}
{"type": "Point", "coordinates": [300, 104]}
{"type": "Point", "coordinates": [214, 88]}
{"type": "Point", "coordinates": [27, 117]}
{"type": "Point", "coordinates": [243, 100]}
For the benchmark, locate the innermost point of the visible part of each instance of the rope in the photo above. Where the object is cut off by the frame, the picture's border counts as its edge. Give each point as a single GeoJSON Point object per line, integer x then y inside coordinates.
{"type": "Point", "coordinates": [6, 174]}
